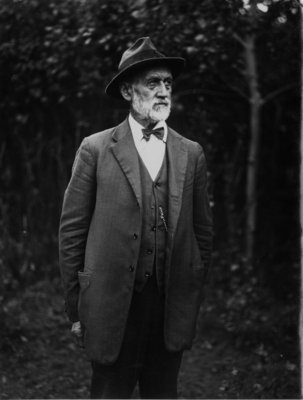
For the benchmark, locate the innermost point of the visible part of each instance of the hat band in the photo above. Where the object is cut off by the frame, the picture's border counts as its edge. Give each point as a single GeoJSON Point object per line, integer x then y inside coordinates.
{"type": "Point", "coordinates": [142, 56]}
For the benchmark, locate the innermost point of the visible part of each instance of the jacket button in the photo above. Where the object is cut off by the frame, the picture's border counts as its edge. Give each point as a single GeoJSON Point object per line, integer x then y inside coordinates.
{"type": "Point", "coordinates": [154, 228]}
{"type": "Point", "coordinates": [149, 251]}
{"type": "Point", "coordinates": [147, 274]}
{"type": "Point", "coordinates": [135, 236]}
{"type": "Point", "coordinates": [131, 268]}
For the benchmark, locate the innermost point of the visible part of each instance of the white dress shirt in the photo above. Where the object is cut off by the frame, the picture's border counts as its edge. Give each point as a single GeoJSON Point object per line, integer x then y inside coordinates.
{"type": "Point", "coordinates": [151, 152]}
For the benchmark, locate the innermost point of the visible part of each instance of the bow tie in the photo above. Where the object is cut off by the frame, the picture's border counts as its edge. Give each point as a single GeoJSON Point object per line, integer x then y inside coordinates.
{"type": "Point", "coordinates": [159, 133]}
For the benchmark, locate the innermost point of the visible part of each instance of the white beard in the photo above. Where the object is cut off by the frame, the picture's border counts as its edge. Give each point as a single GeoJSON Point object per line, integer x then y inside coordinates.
{"type": "Point", "coordinates": [149, 112]}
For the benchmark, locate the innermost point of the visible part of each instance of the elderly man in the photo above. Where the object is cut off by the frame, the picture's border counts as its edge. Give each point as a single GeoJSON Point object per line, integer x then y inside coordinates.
{"type": "Point", "coordinates": [135, 236]}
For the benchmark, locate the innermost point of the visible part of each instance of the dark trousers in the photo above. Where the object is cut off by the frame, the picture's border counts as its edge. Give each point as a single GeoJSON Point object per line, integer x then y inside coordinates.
{"type": "Point", "coordinates": [143, 357]}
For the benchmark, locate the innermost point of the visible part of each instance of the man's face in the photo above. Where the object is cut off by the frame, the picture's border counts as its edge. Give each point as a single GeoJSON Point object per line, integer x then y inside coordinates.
{"type": "Point", "coordinates": [150, 95]}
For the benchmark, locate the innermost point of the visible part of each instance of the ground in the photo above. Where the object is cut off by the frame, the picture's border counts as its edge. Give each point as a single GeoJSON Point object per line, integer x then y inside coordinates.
{"type": "Point", "coordinates": [40, 360]}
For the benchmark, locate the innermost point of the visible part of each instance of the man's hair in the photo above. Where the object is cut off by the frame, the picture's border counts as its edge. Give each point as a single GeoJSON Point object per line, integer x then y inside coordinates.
{"type": "Point", "coordinates": [129, 78]}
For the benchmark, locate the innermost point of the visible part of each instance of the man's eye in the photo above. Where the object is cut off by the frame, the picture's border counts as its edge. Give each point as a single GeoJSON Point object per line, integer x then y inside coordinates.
{"type": "Point", "coordinates": [152, 84]}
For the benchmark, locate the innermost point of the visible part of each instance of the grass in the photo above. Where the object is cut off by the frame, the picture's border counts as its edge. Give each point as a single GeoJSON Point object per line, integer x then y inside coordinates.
{"type": "Point", "coordinates": [40, 360]}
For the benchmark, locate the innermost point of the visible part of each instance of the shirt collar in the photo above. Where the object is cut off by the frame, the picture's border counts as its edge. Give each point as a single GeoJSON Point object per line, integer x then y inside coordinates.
{"type": "Point", "coordinates": [136, 128]}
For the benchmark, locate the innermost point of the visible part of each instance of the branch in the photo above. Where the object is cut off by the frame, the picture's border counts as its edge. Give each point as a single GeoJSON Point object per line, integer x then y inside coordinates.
{"type": "Point", "coordinates": [237, 90]}
{"type": "Point", "coordinates": [276, 92]}
{"type": "Point", "coordinates": [234, 88]}
{"type": "Point", "coordinates": [199, 91]}
{"type": "Point", "coordinates": [240, 40]}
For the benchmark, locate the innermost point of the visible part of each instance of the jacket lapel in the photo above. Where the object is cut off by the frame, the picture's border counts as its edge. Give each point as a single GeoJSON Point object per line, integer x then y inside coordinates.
{"type": "Point", "coordinates": [124, 150]}
{"type": "Point", "coordinates": [177, 161]}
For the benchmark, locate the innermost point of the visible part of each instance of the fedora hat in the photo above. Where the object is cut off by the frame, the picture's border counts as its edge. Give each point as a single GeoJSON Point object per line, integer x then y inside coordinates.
{"type": "Point", "coordinates": [140, 55]}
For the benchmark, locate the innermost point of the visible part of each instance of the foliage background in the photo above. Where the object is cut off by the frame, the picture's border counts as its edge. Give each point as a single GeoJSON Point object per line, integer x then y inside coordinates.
{"type": "Point", "coordinates": [55, 60]}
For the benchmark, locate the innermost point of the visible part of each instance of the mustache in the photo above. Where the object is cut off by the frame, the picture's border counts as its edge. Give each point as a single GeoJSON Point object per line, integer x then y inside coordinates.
{"type": "Point", "coordinates": [162, 103]}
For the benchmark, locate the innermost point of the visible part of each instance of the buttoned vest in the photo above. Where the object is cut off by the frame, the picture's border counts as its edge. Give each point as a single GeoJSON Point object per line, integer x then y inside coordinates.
{"type": "Point", "coordinates": [154, 225]}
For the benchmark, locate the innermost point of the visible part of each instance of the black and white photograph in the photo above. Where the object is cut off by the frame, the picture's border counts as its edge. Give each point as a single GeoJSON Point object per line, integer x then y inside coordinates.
{"type": "Point", "coordinates": [150, 199]}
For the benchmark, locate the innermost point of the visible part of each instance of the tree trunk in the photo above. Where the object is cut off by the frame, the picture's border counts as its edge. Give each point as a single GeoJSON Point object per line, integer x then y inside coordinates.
{"type": "Point", "coordinates": [253, 152]}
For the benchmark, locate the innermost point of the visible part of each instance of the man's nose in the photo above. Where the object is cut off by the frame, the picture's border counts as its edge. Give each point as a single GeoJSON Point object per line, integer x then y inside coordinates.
{"type": "Point", "coordinates": [163, 91]}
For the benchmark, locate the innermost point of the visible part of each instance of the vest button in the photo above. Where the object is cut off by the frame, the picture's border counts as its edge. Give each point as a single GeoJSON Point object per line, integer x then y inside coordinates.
{"type": "Point", "coordinates": [147, 274]}
{"type": "Point", "coordinates": [135, 236]}
{"type": "Point", "coordinates": [131, 268]}
{"type": "Point", "coordinates": [154, 228]}
{"type": "Point", "coordinates": [149, 251]}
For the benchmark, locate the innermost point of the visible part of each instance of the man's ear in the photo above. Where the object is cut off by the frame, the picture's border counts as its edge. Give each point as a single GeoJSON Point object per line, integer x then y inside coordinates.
{"type": "Point", "coordinates": [125, 91]}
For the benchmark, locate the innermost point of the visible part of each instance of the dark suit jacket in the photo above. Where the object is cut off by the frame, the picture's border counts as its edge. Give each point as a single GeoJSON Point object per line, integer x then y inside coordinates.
{"type": "Point", "coordinates": [100, 239]}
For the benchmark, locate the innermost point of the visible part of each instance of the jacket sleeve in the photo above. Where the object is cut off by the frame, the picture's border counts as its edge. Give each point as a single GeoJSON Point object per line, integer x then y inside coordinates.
{"type": "Point", "coordinates": [203, 222]}
{"type": "Point", "coordinates": [78, 206]}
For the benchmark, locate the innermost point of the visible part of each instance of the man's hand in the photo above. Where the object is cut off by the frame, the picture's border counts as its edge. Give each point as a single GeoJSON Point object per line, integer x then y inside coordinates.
{"type": "Point", "coordinates": [78, 333]}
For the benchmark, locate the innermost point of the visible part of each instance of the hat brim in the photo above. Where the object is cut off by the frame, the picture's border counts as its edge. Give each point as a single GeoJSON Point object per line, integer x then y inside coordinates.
{"type": "Point", "coordinates": [175, 64]}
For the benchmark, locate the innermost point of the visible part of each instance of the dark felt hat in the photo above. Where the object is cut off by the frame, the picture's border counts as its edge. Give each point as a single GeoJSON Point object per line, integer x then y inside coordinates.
{"type": "Point", "coordinates": [140, 55]}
